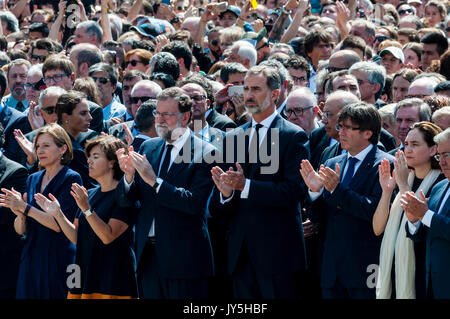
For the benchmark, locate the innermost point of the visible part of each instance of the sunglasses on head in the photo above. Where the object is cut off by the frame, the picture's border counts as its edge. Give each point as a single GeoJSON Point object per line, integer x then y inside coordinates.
{"type": "Point", "coordinates": [49, 109]}
{"type": "Point", "coordinates": [38, 86]}
{"type": "Point", "coordinates": [102, 80]}
{"type": "Point", "coordinates": [380, 38]}
{"type": "Point", "coordinates": [143, 99]}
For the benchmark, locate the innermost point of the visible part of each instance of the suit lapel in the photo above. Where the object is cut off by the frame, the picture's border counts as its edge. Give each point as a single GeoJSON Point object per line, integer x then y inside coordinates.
{"type": "Point", "coordinates": [441, 196]}
{"type": "Point", "coordinates": [363, 170]}
{"type": "Point", "coordinates": [179, 163]}
{"type": "Point", "coordinates": [155, 155]}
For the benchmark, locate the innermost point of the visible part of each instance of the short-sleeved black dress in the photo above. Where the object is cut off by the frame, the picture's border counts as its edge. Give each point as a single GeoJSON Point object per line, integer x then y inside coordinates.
{"type": "Point", "coordinates": [107, 271]}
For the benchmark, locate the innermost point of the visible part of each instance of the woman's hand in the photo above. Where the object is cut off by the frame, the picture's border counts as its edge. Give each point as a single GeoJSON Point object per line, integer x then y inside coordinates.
{"type": "Point", "coordinates": [387, 181]}
{"type": "Point", "coordinates": [25, 145]}
{"type": "Point", "coordinates": [80, 195]}
{"type": "Point", "coordinates": [50, 206]}
{"type": "Point", "coordinates": [36, 121]}
{"type": "Point", "coordinates": [401, 171]}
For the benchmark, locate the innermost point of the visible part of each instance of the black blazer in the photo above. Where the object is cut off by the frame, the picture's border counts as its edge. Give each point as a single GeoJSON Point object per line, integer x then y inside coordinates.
{"type": "Point", "coordinates": [269, 221]}
{"type": "Point", "coordinates": [318, 142]}
{"type": "Point", "coordinates": [179, 210]}
{"type": "Point", "coordinates": [14, 175]}
{"type": "Point", "coordinates": [12, 119]}
{"type": "Point", "coordinates": [350, 244]}
{"type": "Point", "coordinates": [220, 121]}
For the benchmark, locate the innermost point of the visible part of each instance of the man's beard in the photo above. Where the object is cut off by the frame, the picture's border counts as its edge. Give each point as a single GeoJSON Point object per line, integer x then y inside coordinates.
{"type": "Point", "coordinates": [19, 91]}
{"type": "Point", "coordinates": [169, 134]}
{"type": "Point", "coordinates": [260, 108]}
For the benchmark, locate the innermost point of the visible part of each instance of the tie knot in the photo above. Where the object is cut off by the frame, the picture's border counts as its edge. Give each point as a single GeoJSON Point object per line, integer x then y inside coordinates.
{"type": "Point", "coordinates": [169, 147]}
{"type": "Point", "coordinates": [353, 160]}
{"type": "Point", "coordinates": [258, 126]}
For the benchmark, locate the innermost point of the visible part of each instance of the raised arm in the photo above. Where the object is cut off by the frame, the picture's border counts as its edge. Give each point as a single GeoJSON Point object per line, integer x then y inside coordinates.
{"type": "Point", "coordinates": [291, 31]}
{"type": "Point", "coordinates": [387, 183]}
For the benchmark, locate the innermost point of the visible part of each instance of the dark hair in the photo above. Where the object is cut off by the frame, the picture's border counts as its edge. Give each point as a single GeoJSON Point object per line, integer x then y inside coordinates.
{"type": "Point", "coordinates": [180, 50]}
{"type": "Point", "coordinates": [43, 44]}
{"type": "Point", "coordinates": [130, 75]}
{"type": "Point", "coordinates": [366, 116]}
{"type": "Point", "coordinates": [184, 101]}
{"type": "Point", "coordinates": [201, 81]}
{"type": "Point", "coordinates": [436, 38]}
{"type": "Point", "coordinates": [444, 67]}
{"type": "Point", "coordinates": [387, 89]}
{"type": "Point", "coordinates": [58, 62]}
{"type": "Point", "coordinates": [89, 87]}
{"type": "Point", "coordinates": [88, 55]}
{"type": "Point", "coordinates": [67, 102]}
{"type": "Point", "coordinates": [145, 119]}
{"type": "Point", "coordinates": [165, 62]}
{"type": "Point", "coordinates": [314, 37]}
{"type": "Point", "coordinates": [3, 83]}
{"type": "Point", "coordinates": [15, 54]}
{"type": "Point", "coordinates": [3, 43]}
{"type": "Point", "coordinates": [429, 131]}
{"type": "Point", "coordinates": [410, 33]}
{"type": "Point", "coordinates": [165, 78]}
{"type": "Point", "coordinates": [40, 27]}
{"type": "Point", "coordinates": [231, 68]}
{"type": "Point", "coordinates": [270, 73]}
{"type": "Point", "coordinates": [354, 42]}
{"type": "Point", "coordinates": [298, 62]}
{"type": "Point", "coordinates": [109, 146]}
{"type": "Point", "coordinates": [104, 67]}
{"type": "Point", "coordinates": [415, 47]}
{"type": "Point", "coordinates": [60, 137]}
{"type": "Point", "coordinates": [407, 74]}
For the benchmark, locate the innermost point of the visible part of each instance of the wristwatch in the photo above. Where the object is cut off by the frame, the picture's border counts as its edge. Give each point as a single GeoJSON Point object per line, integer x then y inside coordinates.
{"type": "Point", "coordinates": [158, 182]}
{"type": "Point", "coordinates": [87, 213]}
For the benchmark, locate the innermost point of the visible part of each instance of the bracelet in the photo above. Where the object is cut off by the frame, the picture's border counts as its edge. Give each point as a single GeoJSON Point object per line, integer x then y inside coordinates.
{"type": "Point", "coordinates": [27, 210]}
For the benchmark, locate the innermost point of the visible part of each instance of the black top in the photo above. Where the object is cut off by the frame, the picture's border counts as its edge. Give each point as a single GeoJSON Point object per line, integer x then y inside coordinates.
{"type": "Point", "coordinates": [106, 269]}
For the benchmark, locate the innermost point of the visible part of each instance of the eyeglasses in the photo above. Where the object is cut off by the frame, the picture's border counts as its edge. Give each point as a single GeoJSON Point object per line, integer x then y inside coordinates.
{"type": "Point", "coordinates": [343, 127]}
{"type": "Point", "coordinates": [164, 115]}
{"type": "Point", "coordinates": [332, 69]}
{"type": "Point", "coordinates": [143, 99]}
{"type": "Point", "coordinates": [133, 62]}
{"type": "Point", "coordinates": [299, 79]}
{"type": "Point", "coordinates": [442, 156]}
{"type": "Point", "coordinates": [55, 78]}
{"type": "Point", "coordinates": [402, 12]}
{"type": "Point", "coordinates": [198, 98]}
{"type": "Point", "coordinates": [298, 111]}
{"type": "Point", "coordinates": [418, 96]}
{"type": "Point", "coordinates": [263, 46]}
{"type": "Point", "coordinates": [49, 109]}
{"type": "Point", "coordinates": [380, 38]}
{"type": "Point", "coordinates": [41, 58]}
{"type": "Point", "coordinates": [102, 80]}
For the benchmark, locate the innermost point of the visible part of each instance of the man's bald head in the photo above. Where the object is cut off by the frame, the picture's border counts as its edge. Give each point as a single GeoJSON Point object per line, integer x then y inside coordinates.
{"type": "Point", "coordinates": [342, 60]}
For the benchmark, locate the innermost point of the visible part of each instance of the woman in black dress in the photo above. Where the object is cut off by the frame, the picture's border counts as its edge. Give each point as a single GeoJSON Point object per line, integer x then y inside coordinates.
{"type": "Point", "coordinates": [103, 231]}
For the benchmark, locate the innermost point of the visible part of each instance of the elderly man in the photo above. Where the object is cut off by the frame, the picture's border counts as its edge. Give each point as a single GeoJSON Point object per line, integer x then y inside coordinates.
{"type": "Point", "coordinates": [83, 56]}
{"type": "Point", "coordinates": [142, 92]}
{"type": "Point", "coordinates": [89, 32]}
{"type": "Point", "coordinates": [301, 109]}
{"type": "Point", "coordinates": [17, 77]}
{"type": "Point", "coordinates": [429, 220]}
{"type": "Point", "coordinates": [343, 80]}
{"type": "Point", "coordinates": [422, 87]}
{"type": "Point", "coordinates": [342, 60]}
{"type": "Point", "coordinates": [371, 78]}
{"type": "Point", "coordinates": [441, 117]}
{"type": "Point", "coordinates": [243, 52]}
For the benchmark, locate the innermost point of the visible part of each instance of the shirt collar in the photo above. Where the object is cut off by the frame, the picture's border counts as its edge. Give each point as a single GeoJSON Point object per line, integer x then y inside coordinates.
{"type": "Point", "coordinates": [362, 155]}
{"type": "Point", "coordinates": [178, 144]}
{"type": "Point", "coordinates": [267, 121]}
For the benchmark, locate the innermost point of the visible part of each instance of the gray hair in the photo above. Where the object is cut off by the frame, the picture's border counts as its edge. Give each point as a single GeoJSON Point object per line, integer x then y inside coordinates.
{"type": "Point", "coordinates": [443, 136]}
{"type": "Point", "coordinates": [442, 111]}
{"type": "Point", "coordinates": [246, 51]}
{"type": "Point", "coordinates": [35, 69]}
{"type": "Point", "coordinates": [148, 84]}
{"type": "Point", "coordinates": [283, 73]}
{"type": "Point", "coordinates": [12, 24]}
{"type": "Point", "coordinates": [375, 73]}
{"type": "Point", "coordinates": [52, 90]}
{"type": "Point", "coordinates": [282, 46]}
{"type": "Point", "coordinates": [304, 92]}
{"type": "Point", "coordinates": [92, 28]}
{"type": "Point", "coordinates": [424, 108]}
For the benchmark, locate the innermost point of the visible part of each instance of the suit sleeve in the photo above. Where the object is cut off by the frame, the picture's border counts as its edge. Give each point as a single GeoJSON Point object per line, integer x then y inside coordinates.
{"type": "Point", "coordinates": [419, 236]}
{"type": "Point", "coordinates": [17, 179]}
{"type": "Point", "coordinates": [353, 203]}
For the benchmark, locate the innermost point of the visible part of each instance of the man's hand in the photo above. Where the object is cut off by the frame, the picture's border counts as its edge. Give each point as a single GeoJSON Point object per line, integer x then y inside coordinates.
{"type": "Point", "coordinates": [36, 121]}
{"type": "Point", "coordinates": [414, 208]}
{"type": "Point", "coordinates": [143, 167]}
{"type": "Point", "coordinates": [311, 178]}
{"type": "Point", "coordinates": [225, 189]}
{"type": "Point", "coordinates": [234, 179]}
{"type": "Point", "coordinates": [329, 178]}
{"type": "Point", "coordinates": [126, 163]}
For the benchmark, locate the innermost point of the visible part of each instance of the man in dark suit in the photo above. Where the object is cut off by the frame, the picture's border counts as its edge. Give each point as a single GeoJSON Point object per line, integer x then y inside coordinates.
{"type": "Point", "coordinates": [429, 219]}
{"type": "Point", "coordinates": [11, 175]}
{"type": "Point", "coordinates": [261, 196]}
{"type": "Point", "coordinates": [173, 249]}
{"type": "Point", "coordinates": [12, 119]}
{"type": "Point", "coordinates": [347, 202]}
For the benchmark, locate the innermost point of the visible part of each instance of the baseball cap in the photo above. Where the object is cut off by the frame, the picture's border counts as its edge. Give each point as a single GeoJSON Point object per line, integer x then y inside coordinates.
{"type": "Point", "coordinates": [414, 1]}
{"type": "Point", "coordinates": [396, 52]}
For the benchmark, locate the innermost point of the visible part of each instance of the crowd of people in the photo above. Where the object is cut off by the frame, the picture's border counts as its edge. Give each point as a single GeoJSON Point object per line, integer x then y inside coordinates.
{"type": "Point", "coordinates": [192, 149]}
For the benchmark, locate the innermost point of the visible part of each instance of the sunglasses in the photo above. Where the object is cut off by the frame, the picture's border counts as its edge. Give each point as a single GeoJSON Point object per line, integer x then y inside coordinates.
{"type": "Point", "coordinates": [38, 86]}
{"type": "Point", "coordinates": [143, 99]}
{"type": "Point", "coordinates": [402, 12]}
{"type": "Point", "coordinates": [41, 58]}
{"type": "Point", "coordinates": [102, 80]}
{"type": "Point", "coordinates": [134, 62]}
{"type": "Point", "coordinates": [381, 38]}
{"type": "Point", "coordinates": [49, 109]}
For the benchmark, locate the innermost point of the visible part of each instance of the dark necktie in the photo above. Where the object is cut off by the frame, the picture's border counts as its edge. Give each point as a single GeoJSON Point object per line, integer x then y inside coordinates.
{"type": "Point", "coordinates": [350, 171]}
{"type": "Point", "coordinates": [165, 164]}
{"type": "Point", "coordinates": [20, 107]}
{"type": "Point", "coordinates": [254, 146]}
